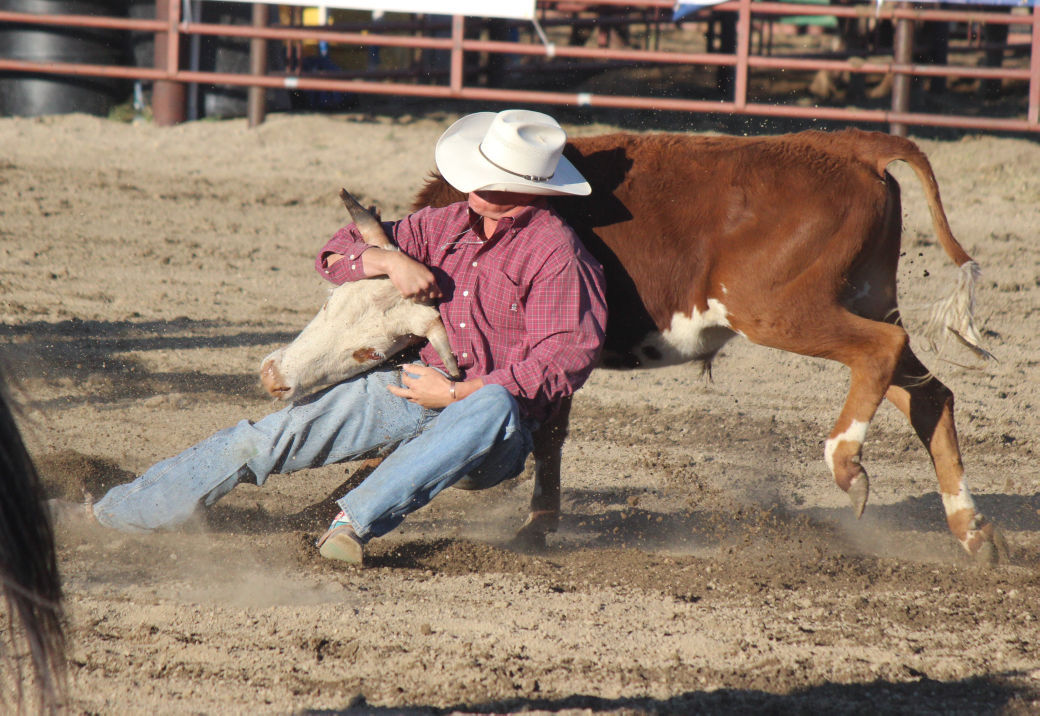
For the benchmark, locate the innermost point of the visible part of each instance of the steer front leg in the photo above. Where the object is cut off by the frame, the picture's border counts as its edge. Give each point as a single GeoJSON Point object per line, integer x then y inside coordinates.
{"type": "Point", "coordinates": [544, 516]}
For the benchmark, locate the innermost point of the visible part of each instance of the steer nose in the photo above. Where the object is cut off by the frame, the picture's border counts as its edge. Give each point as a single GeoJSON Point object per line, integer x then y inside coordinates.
{"type": "Point", "coordinates": [273, 381]}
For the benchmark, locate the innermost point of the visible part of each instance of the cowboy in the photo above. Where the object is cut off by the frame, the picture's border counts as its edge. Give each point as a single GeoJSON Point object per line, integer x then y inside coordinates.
{"type": "Point", "coordinates": [523, 303]}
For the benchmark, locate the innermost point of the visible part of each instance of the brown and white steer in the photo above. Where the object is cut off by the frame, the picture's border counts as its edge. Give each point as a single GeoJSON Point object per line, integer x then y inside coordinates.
{"type": "Point", "coordinates": [790, 241]}
{"type": "Point", "coordinates": [360, 326]}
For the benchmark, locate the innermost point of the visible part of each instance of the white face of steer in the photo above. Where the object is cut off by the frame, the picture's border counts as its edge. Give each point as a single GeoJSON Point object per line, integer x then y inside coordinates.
{"type": "Point", "coordinates": [360, 326]}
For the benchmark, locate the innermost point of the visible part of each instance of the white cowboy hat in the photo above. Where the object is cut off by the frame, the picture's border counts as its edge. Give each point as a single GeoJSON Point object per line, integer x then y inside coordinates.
{"type": "Point", "coordinates": [513, 150]}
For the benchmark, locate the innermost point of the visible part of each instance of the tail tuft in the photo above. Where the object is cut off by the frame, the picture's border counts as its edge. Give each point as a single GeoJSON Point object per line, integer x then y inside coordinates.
{"type": "Point", "coordinates": [955, 314]}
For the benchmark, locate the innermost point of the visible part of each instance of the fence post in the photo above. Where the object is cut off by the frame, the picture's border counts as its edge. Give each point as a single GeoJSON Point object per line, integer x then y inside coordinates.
{"type": "Point", "coordinates": [256, 98]}
{"type": "Point", "coordinates": [1034, 70]}
{"type": "Point", "coordinates": [902, 54]}
{"type": "Point", "coordinates": [740, 85]}
{"type": "Point", "coordinates": [169, 105]}
{"type": "Point", "coordinates": [458, 31]}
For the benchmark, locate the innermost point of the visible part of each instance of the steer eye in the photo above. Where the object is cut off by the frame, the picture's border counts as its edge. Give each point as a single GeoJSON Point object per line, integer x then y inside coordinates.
{"type": "Point", "coordinates": [363, 355]}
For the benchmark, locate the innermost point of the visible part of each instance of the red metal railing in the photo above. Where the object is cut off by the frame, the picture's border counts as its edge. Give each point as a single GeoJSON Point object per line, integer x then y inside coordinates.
{"type": "Point", "coordinates": [169, 78]}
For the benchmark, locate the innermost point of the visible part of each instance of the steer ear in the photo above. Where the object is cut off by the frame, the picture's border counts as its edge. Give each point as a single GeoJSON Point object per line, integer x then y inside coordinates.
{"type": "Point", "coordinates": [370, 228]}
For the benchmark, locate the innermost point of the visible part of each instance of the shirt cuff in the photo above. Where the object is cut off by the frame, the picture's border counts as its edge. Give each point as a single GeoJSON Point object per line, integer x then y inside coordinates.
{"type": "Point", "coordinates": [349, 268]}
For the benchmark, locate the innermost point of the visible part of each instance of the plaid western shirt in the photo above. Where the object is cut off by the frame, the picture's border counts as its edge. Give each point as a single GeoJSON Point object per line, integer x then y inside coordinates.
{"type": "Point", "coordinates": [525, 309]}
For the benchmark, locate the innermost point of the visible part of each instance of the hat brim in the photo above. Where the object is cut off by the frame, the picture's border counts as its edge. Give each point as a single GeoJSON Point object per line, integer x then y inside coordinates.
{"type": "Point", "coordinates": [463, 166]}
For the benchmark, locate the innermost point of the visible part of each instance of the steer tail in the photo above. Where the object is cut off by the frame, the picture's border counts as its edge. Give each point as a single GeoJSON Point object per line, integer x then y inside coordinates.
{"type": "Point", "coordinates": [371, 230]}
{"type": "Point", "coordinates": [954, 314]}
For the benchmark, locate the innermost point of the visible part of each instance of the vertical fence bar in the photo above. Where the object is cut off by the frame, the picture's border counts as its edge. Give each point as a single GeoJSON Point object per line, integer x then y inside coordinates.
{"type": "Point", "coordinates": [740, 86]}
{"type": "Point", "coordinates": [168, 96]}
{"type": "Point", "coordinates": [903, 54]}
{"type": "Point", "coordinates": [1034, 70]}
{"type": "Point", "coordinates": [458, 29]}
{"type": "Point", "coordinates": [256, 99]}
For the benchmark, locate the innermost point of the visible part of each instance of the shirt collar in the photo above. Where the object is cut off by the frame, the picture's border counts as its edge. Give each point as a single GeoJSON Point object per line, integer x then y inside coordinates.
{"type": "Point", "coordinates": [516, 221]}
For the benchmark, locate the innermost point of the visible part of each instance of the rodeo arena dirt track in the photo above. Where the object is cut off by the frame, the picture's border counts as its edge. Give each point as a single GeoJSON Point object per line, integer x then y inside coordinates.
{"type": "Point", "coordinates": [705, 560]}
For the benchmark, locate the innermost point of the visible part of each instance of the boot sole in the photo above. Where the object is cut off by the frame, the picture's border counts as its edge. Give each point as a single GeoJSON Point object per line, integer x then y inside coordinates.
{"type": "Point", "coordinates": [341, 548]}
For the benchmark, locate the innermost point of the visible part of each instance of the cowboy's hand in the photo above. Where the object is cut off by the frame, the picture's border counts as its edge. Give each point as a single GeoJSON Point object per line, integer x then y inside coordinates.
{"type": "Point", "coordinates": [424, 386]}
{"type": "Point", "coordinates": [412, 278]}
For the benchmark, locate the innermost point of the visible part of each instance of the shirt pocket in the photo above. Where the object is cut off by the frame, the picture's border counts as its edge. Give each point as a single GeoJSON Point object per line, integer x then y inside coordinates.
{"type": "Point", "coordinates": [501, 301]}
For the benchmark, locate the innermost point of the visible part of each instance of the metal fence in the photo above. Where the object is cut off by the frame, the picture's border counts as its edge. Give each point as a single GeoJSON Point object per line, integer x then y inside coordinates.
{"type": "Point", "coordinates": [750, 51]}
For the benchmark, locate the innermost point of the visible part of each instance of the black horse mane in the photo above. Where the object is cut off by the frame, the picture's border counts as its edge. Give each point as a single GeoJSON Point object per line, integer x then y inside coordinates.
{"type": "Point", "coordinates": [28, 566]}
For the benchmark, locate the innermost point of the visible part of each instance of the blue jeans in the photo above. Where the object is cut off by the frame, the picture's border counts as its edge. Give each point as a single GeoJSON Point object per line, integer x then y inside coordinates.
{"type": "Point", "coordinates": [476, 442]}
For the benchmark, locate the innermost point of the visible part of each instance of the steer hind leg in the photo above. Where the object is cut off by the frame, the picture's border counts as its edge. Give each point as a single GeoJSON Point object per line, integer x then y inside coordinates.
{"type": "Point", "coordinates": [929, 406]}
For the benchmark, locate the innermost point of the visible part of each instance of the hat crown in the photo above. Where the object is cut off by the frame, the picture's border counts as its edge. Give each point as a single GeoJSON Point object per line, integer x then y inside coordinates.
{"type": "Point", "coordinates": [514, 150]}
{"type": "Point", "coordinates": [527, 144]}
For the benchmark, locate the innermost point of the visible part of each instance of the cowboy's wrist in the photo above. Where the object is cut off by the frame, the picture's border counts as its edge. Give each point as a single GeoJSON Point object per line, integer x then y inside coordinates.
{"type": "Point", "coordinates": [382, 260]}
{"type": "Point", "coordinates": [465, 388]}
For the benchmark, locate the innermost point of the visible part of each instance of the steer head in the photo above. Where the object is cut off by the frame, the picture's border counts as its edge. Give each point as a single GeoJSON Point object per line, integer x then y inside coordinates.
{"type": "Point", "coordinates": [361, 325]}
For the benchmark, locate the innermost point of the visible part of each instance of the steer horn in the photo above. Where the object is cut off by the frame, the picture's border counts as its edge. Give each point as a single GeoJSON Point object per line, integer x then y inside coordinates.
{"type": "Point", "coordinates": [371, 230]}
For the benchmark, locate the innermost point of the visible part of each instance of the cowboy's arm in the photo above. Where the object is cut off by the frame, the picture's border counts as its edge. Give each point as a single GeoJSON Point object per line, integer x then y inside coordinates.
{"type": "Point", "coordinates": [346, 257]}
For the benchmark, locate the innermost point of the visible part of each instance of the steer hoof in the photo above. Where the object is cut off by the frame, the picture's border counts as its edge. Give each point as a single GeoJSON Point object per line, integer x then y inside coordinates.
{"type": "Point", "coordinates": [983, 540]}
{"type": "Point", "coordinates": [993, 550]}
{"type": "Point", "coordinates": [987, 556]}
{"type": "Point", "coordinates": [526, 541]}
{"type": "Point", "coordinates": [858, 492]}
{"type": "Point", "coordinates": [531, 537]}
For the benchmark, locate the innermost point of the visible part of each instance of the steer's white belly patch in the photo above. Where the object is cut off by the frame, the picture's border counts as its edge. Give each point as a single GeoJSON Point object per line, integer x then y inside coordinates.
{"type": "Point", "coordinates": [693, 337]}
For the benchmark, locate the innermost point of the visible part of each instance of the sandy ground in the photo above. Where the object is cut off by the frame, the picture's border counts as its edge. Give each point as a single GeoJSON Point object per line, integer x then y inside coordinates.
{"type": "Point", "coordinates": [705, 562]}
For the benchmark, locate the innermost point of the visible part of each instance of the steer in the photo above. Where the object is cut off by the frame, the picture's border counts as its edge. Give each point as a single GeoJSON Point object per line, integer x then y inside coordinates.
{"type": "Point", "coordinates": [791, 241]}
{"type": "Point", "coordinates": [361, 325]}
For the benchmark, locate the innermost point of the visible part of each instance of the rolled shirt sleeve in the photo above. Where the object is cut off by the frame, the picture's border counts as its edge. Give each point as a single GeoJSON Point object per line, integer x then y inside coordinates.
{"type": "Point", "coordinates": [347, 243]}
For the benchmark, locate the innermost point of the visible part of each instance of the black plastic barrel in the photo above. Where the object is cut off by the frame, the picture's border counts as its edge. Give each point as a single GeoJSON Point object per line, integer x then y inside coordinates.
{"type": "Point", "coordinates": [215, 54]}
{"type": "Point", "coordinates": [31, 94]}
{"type": "Point", "coordinates": [231, 54]}
{"type": "Point", "coordinates": [141, 50]}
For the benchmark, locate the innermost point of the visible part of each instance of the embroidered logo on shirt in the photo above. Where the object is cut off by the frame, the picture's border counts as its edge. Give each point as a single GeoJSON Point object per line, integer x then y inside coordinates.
{"type": "Point", "coordinates": [512, 307]}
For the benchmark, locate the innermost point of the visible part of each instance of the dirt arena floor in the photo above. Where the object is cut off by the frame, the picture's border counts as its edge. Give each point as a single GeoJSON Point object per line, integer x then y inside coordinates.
{"type": "Point", "coordinates": [705, 561]}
